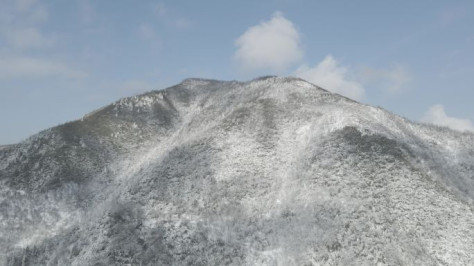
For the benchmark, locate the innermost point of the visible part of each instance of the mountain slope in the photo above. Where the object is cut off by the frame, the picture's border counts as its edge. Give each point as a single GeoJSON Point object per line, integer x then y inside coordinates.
{"type": "Point", "coordinates": [275, 171]}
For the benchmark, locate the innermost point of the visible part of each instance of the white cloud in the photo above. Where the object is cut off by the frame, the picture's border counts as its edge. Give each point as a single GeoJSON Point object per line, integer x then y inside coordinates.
{"type": "Point", "coordinates": [27, 68]}
{"type": "Point", "coordinates": [391, 80]}
{"type": "Point", "coordinates": [24, 38]}
{"type": "Point", "coordinates": [437, 115]}
{"type": "Point", "coordinates": [275, 45]}
{"type": "Point", "coordinates": [270, 45]}
{"type": "Point", "coordinates": [330, 75]}
{"type": "Point", "coordinates": [20, 24]}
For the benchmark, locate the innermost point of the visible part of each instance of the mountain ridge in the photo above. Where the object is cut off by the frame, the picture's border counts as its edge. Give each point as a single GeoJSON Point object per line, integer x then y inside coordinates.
{"type": "Point", "coordinates": [190, 80]}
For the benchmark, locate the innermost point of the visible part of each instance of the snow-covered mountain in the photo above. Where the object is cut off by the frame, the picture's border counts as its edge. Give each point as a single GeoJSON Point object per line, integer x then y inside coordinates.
{"type": "Point", "coordinates": [275, 171]}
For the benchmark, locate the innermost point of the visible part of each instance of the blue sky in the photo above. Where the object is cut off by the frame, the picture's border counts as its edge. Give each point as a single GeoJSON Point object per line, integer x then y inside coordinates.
{"type": "Point", "coordinates": [62, 59]}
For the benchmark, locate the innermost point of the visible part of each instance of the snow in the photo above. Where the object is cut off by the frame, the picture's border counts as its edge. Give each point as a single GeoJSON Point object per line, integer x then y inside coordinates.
{"type": "Point", "coordinates": [266, 172]}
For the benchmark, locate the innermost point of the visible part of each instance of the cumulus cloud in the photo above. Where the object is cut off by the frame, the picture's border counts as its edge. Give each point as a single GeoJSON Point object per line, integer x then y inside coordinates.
{"type": "Point", "coordinates": [330, 75]}
{"type": "Point", "coordinates": [27, 68]}
{"type": "Point", "coordinates": [275, 45]}
{"type": "Point", "coordinates": [391, 80]}
{"type": "Point", "coordinates": [271, 45]}
{"type": "Point", "coordinates": [437, 115]}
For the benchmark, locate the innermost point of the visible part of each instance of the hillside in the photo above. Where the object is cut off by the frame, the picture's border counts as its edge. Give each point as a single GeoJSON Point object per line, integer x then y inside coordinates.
{"type": "Point", "coordinates": [274, 171]}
